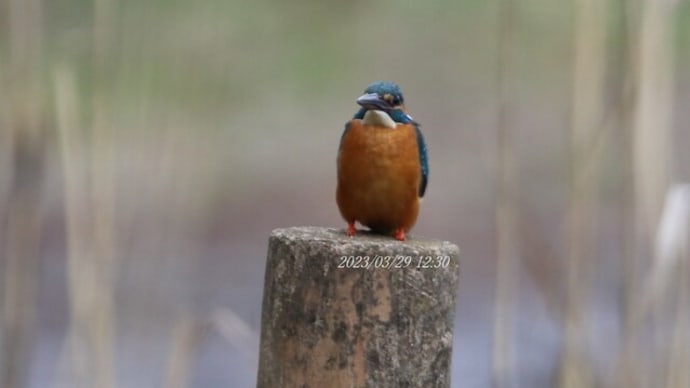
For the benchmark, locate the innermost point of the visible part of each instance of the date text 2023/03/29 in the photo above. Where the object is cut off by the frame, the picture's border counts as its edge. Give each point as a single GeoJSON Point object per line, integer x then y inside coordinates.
{"type": "Point", "coordinates": [393, 262]}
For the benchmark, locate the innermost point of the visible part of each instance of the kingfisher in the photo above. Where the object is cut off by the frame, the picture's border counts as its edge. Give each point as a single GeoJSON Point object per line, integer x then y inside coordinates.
{"type": "Point", "coordinates": [383, 166]}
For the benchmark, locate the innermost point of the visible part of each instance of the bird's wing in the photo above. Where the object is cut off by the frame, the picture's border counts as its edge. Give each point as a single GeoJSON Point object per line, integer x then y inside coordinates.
{"type": "Point", "coordinates": [342, 137]}
{"type": "Point", "coordinates": [423, 160]}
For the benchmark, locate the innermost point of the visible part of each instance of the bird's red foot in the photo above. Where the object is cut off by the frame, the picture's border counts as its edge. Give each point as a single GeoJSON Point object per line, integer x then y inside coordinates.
{"type": "Point", "coordinates": [399, 234]}
{"type": "Point", "coordinates": [351, 229]}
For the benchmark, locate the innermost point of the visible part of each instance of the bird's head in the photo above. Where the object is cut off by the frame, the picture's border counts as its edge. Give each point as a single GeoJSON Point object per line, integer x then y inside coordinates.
{"type": "Point", "coordinates": [382, 95]}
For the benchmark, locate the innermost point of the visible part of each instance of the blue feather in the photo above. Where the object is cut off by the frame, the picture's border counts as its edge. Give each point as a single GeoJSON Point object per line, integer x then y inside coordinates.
{"type": "Point", "coordinates": [359, 115]}
{"type": "Point", "coordinates": [401, 117]}
{"type": "Point", "coordinates": [423, 160]}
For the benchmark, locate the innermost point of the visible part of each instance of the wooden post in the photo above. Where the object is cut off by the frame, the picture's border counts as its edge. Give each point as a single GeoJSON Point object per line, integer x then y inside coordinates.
{"type": "Point", "coordinates": [367, 311]}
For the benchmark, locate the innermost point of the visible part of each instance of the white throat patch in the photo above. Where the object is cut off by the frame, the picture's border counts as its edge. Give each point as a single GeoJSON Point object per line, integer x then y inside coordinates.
{"type": "Point", "coordinates": [378, 118]}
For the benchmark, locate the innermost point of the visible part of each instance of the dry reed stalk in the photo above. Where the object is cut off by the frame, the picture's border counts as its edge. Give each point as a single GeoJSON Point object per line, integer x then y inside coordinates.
{"type": "Point", "coordinates": [101, 191]}
{"type": "Point", "coordinates": [624, 374]}
{"type": "Point", "coordinates": [89, 279]}
{"type": "Point", "coordinates": [671, 238]}
{"type": "Point", "coordinates": [653, 114]}
{"type": "Point", "coordinates": [24, 94]}
{"type": "Point", "coordinates": [667, 281]}
{"type": "Point", "coordinates": [237, 332]}
{"type": "Point", "coordinates": [20, 264]}
{"type": "Point", "coordinates": [587, 117]}
{"type": "Point", "coordinates": [652, 124]}
{"type": "Point", "coordinates": [678, 372]}
{"type": "Point", "coordinates": [629, 369]}
{"type": "Point", "coordinates": [678, 368]}
{"type": "Point", "coordinates": [187, 336]}
{"type": "Point", "coordinates": [77, 227]}
{"type": "Point", "coordinates": [503, 358]}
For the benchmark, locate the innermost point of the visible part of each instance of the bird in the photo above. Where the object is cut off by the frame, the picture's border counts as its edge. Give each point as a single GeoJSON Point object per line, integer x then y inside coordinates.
{"type": "Point", "coordinates": [382, 164]}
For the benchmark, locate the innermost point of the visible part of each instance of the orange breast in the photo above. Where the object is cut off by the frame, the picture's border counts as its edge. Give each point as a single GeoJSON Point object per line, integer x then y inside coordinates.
{"type": "Point", "coordinates": [379, 176]}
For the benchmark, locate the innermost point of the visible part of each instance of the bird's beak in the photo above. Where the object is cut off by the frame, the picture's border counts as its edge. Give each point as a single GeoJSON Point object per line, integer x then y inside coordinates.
{"type": "Point", "coordinates": [373, 101]}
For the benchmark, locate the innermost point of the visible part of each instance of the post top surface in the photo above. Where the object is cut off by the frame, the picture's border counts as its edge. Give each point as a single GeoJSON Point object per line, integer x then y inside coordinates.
{"type": "Point", "coordinates": [364, 241]}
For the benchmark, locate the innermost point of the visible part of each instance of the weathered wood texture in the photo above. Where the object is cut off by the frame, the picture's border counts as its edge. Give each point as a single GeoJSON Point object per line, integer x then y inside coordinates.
{"type": "Point", "coordinates": [326, 323]}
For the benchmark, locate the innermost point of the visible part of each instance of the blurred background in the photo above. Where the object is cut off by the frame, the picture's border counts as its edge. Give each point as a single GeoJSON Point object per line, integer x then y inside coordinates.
{"type": "Point", "coordinates": [148, 148]}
